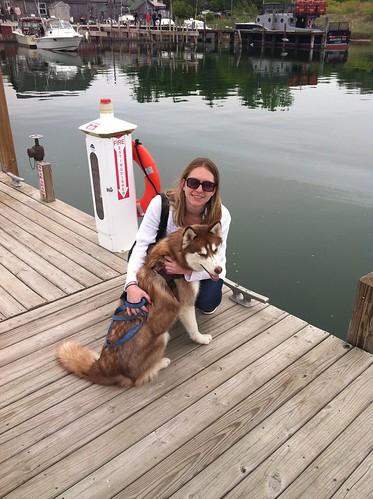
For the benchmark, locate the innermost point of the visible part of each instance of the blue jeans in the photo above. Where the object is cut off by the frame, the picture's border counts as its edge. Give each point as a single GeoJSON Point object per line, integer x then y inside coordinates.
{"type": "Point", "coordinates": [209, 294]}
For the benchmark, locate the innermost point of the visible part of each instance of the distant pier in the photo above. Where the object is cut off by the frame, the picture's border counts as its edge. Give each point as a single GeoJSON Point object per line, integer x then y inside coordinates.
{"type": "Point", "coordinates": [107, 32]}
{"type": "Point", "coordinates": [298, 40]}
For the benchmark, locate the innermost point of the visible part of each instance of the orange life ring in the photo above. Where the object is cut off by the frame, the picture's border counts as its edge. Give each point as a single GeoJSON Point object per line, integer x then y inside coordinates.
{"type": "Point", "coordinates": [151, 176]}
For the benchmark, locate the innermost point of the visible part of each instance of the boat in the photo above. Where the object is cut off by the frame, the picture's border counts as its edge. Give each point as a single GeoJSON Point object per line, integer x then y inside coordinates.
{"type": "Point", "coordinates": [28, 30]}
{"type": "Point", "coordinates": [50, 34]}
{"type": "Point", "coordinates": [294, 26]}
{"type": "Point", "coordinates": [58, 35]}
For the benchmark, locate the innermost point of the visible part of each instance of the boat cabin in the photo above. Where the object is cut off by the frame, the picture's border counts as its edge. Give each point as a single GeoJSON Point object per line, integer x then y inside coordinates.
{"type": "Point", "coordinates": [30, 26]}
{"type": "Point", "coordinates": [301, 14]}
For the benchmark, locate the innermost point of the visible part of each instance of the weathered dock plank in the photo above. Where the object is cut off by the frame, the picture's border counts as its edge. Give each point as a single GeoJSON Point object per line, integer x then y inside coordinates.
{"type": "Point", "coordinates": [103, 419]}
{"type": "Point", "coordinates": [325, 474]}
{"type": "Point", "coordinates": [47, 251]}
{"type": "Point", "coordinates": [360, 482]}
{"type": "Point", "coordinates": [273, 406]}
{"type": "Point", "coordinates": [31, 288]}
{"type": "Point", "coordinates": [267, 389]}
{"type": "Point", "coordinates": [48, 263]}
{"type": "Point", "coordinates": [58, 210]}
{"type": "Point", "coordinates": [68, 223]}
{"type": "Point", "coordinates": [284, 465]}
{"type": "Point", "coordinates": [56, 249]}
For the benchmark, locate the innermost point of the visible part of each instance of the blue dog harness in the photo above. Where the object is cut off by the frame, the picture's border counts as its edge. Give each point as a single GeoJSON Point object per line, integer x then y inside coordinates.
{"type": "Point", "coordinates": [117, 317]}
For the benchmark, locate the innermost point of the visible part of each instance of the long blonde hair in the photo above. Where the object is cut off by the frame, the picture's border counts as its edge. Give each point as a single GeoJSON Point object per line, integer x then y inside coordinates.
{"type": "Point", "coordinates": [177, 196]}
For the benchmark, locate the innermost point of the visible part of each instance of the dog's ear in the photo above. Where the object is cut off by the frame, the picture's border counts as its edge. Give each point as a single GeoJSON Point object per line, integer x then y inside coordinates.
{"type": "Point", "coordinates": [216, 229]}
{"type": "Point", "coordinates": [189, 235]}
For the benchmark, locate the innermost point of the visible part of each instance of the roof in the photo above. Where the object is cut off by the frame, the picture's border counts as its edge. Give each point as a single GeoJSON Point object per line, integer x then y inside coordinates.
{"type": "Point", "coordinates": [54, 4]}
{"type": "Point", "coordinates": [154, 3]}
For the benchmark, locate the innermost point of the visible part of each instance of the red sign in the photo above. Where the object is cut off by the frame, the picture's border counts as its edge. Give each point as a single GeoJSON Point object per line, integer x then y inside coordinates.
{"type": "Point", "coordinates": [41, 180]}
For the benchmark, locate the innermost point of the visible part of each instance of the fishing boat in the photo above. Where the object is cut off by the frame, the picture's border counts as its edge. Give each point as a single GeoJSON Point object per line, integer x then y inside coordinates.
{"type": "Point", "coordinates": [294, 26]}
{"type": "Point", "coordinates": [58, 34]}
{"type": "Point", "coordinates": [28, 30]}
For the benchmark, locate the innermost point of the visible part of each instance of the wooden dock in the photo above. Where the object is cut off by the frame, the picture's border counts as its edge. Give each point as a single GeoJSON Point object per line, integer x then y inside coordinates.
{"type": "Point", "coordinates": [272, 407]}
{"type": "Point", "coordinates": [144, 33]}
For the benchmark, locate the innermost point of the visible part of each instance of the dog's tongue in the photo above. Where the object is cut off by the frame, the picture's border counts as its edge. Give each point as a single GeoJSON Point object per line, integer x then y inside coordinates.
{"type": "Point", "coordinates": [214, 277]}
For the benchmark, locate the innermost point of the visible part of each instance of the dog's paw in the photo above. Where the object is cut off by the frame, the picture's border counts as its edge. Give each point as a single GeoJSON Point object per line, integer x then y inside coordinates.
{"type": "Point", "coordinates": [203, 339]}
{"type": "Point", "coordinates": [165, 362]}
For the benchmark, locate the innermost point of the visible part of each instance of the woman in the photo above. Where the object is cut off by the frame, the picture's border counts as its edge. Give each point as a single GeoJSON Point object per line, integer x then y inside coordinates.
{"type": "Point", "coordinates": [196, 200]}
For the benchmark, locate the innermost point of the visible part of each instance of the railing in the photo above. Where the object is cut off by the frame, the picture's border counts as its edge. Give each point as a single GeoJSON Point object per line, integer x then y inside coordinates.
{"type": "Point", "coordinates": [269, 8]}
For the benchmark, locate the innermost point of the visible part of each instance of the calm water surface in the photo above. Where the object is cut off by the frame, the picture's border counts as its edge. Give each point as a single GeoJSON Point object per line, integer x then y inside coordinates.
{"type": "Point", "coordinates": [292, 137]}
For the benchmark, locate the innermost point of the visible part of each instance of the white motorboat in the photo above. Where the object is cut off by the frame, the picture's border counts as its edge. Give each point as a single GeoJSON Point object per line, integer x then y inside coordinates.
{"type": "Point", "coordinates": [58, 35]}
{"type": "Point", "coordinates": [28, 30]}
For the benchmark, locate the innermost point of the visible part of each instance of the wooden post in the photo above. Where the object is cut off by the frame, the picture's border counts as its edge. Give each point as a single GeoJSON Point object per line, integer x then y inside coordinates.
{"type": "Point", "coordinates": [312, 47]}
{"type": "Point", "coordinates": [7, 152]}
{"type": "Point", "coordinates": [239, 38]}
{"type": "Point", "coordinates": [360, 333]}
{"type": "Point", "coordinates": [46, 182]}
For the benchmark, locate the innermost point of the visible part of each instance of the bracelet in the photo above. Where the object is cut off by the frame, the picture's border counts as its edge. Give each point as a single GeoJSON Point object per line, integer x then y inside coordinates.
{"type": "Point", "coordinates": [132, 283]}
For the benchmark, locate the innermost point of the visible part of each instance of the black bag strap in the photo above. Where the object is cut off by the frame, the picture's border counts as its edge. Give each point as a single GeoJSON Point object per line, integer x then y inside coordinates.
{"type": "Point", "coordinates": [164, 217]}
{"type": "Point", "coordinates": [162, 222]}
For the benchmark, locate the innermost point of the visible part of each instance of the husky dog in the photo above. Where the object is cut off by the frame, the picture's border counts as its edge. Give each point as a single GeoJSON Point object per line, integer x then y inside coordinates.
{"type": "Point", "coordinates": [139, 359]}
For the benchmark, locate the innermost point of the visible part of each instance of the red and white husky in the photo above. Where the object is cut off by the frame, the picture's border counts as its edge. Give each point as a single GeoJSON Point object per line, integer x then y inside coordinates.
{"type": "Point", "coordinates": [139, 359]}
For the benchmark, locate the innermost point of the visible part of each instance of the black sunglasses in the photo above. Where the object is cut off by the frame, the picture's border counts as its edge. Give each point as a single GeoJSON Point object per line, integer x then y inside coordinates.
{"type": "Point", "coordinates": [194, 183]}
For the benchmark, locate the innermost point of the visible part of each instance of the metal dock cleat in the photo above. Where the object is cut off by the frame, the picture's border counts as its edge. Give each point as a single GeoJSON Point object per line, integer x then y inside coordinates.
{"type": "Point", "coordinates": [243, 296]}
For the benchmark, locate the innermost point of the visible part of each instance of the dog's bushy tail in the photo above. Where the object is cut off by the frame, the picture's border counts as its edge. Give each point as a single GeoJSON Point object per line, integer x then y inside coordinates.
{"type": "Point", "coordinates": [82, 362]}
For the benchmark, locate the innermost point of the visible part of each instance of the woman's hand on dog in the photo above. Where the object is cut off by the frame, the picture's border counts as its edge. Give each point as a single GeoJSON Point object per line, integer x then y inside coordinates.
{"type": "Point", "coordinates": [134, 295]}
{"type": "Point", "coordinates": [172, 267]}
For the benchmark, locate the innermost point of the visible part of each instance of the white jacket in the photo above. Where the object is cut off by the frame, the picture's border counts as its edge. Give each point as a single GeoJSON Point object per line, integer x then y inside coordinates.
{"type": "Point", "coordinates": [147, 234]}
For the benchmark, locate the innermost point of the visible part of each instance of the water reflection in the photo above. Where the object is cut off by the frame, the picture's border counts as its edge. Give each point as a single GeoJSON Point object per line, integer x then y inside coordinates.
{"type": "Point", "coordinates": [43, 73]}
{"type": "Point", "coordinates": [259, 79]}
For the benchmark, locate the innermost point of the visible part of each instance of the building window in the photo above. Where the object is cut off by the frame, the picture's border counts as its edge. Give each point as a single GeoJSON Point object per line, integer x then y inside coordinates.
{"type": "Point", "coordinates": [43, 10]}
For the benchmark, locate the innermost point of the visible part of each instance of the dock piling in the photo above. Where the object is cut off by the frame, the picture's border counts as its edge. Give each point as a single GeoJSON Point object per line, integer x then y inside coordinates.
{"type": "Point", "coordinates": [360, 332]}
{"type": "Point", "coordinates": [8, 161]}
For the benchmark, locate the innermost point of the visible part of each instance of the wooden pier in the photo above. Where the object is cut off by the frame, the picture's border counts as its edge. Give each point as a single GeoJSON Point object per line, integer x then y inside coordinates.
{"type": "Point", "coordinates": [144, 33]}
{"type": "Point", "coordinates": [174, 34]}
{"type": "Point", "coordinates": [272, 407]}
{"type": "Point", "coordinates": [295, 40]}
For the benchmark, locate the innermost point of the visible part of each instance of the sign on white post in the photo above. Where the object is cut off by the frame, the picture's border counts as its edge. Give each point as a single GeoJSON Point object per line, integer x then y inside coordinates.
{"type": "Point", "coordinates": [109, 151]}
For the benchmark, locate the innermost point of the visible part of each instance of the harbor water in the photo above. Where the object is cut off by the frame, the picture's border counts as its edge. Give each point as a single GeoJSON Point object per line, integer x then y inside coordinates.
{"type": "Point", "coordinates": [291, 136]}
